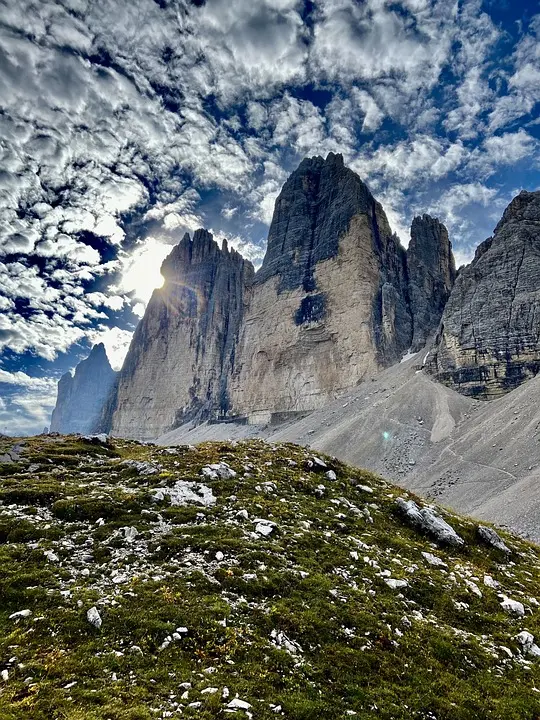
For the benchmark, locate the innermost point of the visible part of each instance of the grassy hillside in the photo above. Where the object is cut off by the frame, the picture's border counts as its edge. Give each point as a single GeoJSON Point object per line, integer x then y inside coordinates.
{"type": "Point", "coordinates": [269, 591]}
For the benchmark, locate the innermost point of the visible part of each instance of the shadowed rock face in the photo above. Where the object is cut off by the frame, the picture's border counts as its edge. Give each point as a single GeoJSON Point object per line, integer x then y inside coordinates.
{"type": "Point", "coordinates": [488, 342]}
{"type": "Point", "coordinates": [313, 210]}
{"type": "Point", "coordinates": [432, 274]}
{"type": "Point", "coordinates": [182, 352]}
{"type": "Point", "coordinates": [81, 397]}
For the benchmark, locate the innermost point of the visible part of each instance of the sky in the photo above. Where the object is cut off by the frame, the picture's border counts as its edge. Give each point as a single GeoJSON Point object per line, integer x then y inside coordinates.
{"type": "Point", "coordinates": [126, 123]}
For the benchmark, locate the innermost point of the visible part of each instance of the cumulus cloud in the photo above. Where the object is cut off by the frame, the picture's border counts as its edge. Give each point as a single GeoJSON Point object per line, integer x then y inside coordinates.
{"type": "Point", "coordinates": [113, 142]}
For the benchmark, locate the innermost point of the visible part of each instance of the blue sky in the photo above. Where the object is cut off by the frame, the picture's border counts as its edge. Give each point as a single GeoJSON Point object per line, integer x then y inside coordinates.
{"type": "Point", "coordinates": [125, 123]}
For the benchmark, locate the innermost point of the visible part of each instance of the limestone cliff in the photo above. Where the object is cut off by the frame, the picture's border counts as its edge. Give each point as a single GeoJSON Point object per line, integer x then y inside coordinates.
{"type": "Point", "coordinates": [81, 397]}
{"type": "Point", "coordinates": [330, 304]}
{"type": "Point", "coordinates": [432, 274]}
{"type": "Point", "coordinates": [489, 337]}
{"type": "Point", "coordinates": [182, 352]}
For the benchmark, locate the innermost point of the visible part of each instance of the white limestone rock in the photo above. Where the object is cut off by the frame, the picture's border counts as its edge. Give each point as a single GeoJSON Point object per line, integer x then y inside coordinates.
{"type": "Point", "coordinates": [94, 618]}
{"type": "Point", "coordinates": [428, 521]}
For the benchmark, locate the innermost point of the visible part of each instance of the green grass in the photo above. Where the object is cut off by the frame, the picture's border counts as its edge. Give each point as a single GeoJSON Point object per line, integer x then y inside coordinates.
{"type": "Point", "coordinates": [302, 619]}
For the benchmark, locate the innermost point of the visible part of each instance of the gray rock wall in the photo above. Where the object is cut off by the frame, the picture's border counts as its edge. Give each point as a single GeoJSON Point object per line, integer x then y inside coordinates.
{"type": "Point", "coordinates": [489, 340]}
{"type": "Point", "coordinates": [81, 397]}
{"type": "Point", "coordinates": [432, 274]}
{"type": "Point", "coordinates": [180, 359]}
{"type": "Point", "coordinates": [329, 306]}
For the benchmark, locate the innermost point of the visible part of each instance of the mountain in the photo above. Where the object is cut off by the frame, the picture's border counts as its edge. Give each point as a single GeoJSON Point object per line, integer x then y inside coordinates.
{"type": "Point", "coordinates": [81, 396]}
{"type": "Point", "coordinates": [179, 361]}
{"type": "Point", "coordinates": [488, 340]}
{"type": "Point", "coordinates": [329, 304]}
{"type": "Point", "coordinates": [432, 274]}
{"type": "Point", "coordinates": [337, 299]}
{"type": "Point", "coordinates": [251, 580]}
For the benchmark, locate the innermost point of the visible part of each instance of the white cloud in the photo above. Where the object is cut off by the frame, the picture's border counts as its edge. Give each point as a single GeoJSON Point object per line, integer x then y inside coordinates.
{"type": "Point", "coordinates": [411, 162]}
{"type": "Point", "coordinates": [27, 381]}
{"type": "Point", "coordinates": [457, 197]}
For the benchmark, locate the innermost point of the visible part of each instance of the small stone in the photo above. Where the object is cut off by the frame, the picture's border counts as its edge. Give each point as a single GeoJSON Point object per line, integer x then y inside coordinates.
{"type": "Point", "coordinates": [94, 617]}
{"type": "Point", "coordinates": [238, 704]}
{"type": "Point", "coordinates": [219, 556]}
{"type": "Point", "coordinates": [130, 533]}
{"type": "Point", "coordinates": [395, 584]}
{"type": "Point", "coordinates": [264, 527]}
{"type": "Point", "coordinates": [330, 475]}
{"type": "Point", "coordinates": [514, 607]}
{"type": "Point", "coordinates": [5, 675]}
{"type": "Point", "coordinates": [218, 470]}
{"type": "Point", "coordinates": [20, 614]}
{"type": "Point", "coordinates": [365, 488]}
{"type": "Point", "coordinates": [526, 640]}
{"type": "Point", "coordinates": [433, 560]}
{"type": "Point", "coordinates": [490, 537]}
{"type": "Point", "coordinates": [428, 521]}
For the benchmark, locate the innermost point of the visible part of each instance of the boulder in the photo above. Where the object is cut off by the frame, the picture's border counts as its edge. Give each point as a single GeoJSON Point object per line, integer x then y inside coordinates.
{"type": "Point", "coordinates": [429, 522]}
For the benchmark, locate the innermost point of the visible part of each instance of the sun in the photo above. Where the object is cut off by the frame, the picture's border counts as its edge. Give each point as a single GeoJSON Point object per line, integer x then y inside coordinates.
{"type": "Point", "coordinates": [141, 274]}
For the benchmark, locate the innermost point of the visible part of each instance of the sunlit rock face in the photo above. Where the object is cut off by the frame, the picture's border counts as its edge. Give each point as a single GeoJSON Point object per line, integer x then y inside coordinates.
{"type": "Point", "coordinates": [329, 305]}
{"type": "Point", "coordinates": [180, 358]}
{"type": "Point", "coordinates": [81, 397]}
{"type": "Point", "coordinates": [432, 274]}
{"type": "Point", "coordinates": [489, 340]}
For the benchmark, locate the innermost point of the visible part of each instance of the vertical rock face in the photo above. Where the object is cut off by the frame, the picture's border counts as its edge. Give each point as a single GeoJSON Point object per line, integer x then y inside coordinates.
{"type": "Point", "coordinates": [81, 396]}
{"type": "Point", "coordinates": [329, 305]}
{"type": "Point", "coordinates": [334, 301]}
{"type": "Point", "coordinates": [432, 274]}
{"type": "Point", "coordinates": [489, 340]}
{"type": "Point", "coordinates": [182, 352]}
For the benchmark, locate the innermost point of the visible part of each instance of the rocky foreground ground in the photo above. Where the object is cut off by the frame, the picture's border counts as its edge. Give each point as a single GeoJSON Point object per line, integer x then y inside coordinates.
{"type": "Point", "coordinates": [251, 580]}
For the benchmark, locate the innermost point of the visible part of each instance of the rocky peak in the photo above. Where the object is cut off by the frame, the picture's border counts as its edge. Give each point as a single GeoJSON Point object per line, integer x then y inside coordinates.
{"type": "Point", "coordinates": [312, 211]}
{"type": "Point", "coordinates": [183, 350]}
{"type": "Point", "coordinates": [525, 207]}
{"type": "Point", "coordinates": [329, 305]}
{"type": "Point", "coordinates": [432, 274]}
{"type": "Point", "coordinates": [81, 397]}
{"type": "Point", "coordinates": [488, 341]}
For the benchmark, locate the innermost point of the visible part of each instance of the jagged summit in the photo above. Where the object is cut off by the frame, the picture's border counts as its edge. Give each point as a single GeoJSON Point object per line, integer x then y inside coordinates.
{"type": "Point", "coordinates": [180, 358]}
{"type": "Point", "coordinates": [81, 396]}
{"type": "Point", "coordinates": [524, 207]}
{"type": "Point", "coordinates": [432, 274]}
{"type": "Point", "coordinates": [200, 248]}
{"type": "Point", "coordinates": [329, 307]}
{"type": "Point", "coordinates": [312, 211]}
{"type": "Point", "coordinates": [330, 303]}
{"type": "Point", "coordinates": [337, 299]}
